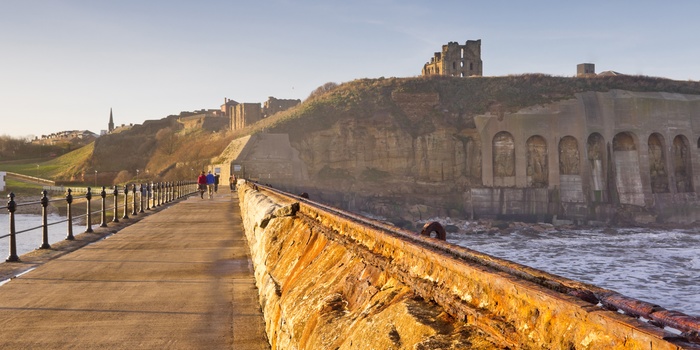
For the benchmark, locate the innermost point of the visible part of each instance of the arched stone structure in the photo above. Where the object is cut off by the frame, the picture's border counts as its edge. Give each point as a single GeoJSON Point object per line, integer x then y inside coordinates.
{"type": "Point", "coordinates": [503, 160]}
{"type": "Point", "coordinates": [628, 179]}
{"type": "Point", "coordinates": [471, 151]}
{"type": "Point", "coordinates": [569, 157]}
{"type": "Point", "coordinates": [657, 164]}
{"type": "Point", "coordinates": [537, 167]}
{"type": "Point", "coordinates": [682, 168]}
{"type": "Point", "coordinates": [597, 158]}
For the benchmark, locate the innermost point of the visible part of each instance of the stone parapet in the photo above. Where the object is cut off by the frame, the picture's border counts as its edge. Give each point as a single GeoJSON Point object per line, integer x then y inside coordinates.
{"type": "Point", "coordinates": [333, 280]}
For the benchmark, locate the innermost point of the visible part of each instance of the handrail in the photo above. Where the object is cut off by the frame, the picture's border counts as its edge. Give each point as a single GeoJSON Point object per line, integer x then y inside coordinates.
{"type": "Point", "coordinates": [166, 192]}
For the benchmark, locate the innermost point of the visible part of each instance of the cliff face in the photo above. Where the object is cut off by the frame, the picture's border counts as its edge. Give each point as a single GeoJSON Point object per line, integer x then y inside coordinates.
{"type": "Point", "coordinates": [407, 154]}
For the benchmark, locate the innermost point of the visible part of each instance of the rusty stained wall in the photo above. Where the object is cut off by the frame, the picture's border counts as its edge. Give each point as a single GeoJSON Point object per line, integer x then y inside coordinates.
{"type": "Point", "coordinates": [327, 282]}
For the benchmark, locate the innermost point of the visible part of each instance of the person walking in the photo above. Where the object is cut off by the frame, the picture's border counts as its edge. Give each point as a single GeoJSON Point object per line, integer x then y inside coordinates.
{"type": "Point", "coordinates": [216, 183]}
{"type": "Point", "coordinates": [202, 184]}
{"type": "Point", "coordinates": [232, 182]}
{"type": "Point", "coordinates": [210, 184]}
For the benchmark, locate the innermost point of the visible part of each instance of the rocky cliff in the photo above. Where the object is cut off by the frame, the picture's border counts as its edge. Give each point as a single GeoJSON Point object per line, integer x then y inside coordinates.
{"type": "Point", "coordinates": [529, 147]}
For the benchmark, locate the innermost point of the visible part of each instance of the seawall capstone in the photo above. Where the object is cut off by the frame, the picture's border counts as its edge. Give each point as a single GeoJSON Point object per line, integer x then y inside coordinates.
{"type": "Point", "coordinates": [329, 282]}
{"type": "Point", "coordinates": [317, 292]}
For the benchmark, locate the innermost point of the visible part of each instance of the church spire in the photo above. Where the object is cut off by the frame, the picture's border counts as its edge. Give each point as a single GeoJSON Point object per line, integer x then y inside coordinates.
{"type": "Point", "coordinates": [111, 121]}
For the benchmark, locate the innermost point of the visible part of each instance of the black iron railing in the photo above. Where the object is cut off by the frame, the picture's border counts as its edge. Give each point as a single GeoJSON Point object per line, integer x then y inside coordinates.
{"type": "Point", "coordinates": [143, 197]}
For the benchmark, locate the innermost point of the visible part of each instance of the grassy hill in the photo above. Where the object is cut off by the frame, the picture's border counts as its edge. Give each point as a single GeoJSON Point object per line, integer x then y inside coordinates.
{"type": "Point", "coordinates": [465, 97]}
{"type": "Point", "coordinates": [162, 149]}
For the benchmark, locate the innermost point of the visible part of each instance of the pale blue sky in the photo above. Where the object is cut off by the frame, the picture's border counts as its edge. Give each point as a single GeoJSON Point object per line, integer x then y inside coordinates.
{"type": "Point", "coordinates": [64, 63]}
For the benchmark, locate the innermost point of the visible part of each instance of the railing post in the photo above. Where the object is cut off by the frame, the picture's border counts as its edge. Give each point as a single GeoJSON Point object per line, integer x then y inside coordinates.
{"type": "Point", "coordinates": [103, 194]}
{"type": "Point", "coordinates": [116, 204]}
{"type": "Point", "coordinates": [88, 196]}
{"type": "Point", "coordinates": [126, 202]}
{"type": "Point", "coordinates": [169, 196]}
{"type": "Point", "coordinates": [141, 189]}
{"type": "Point", "coordinates": [148, 196]}
{"type": "Point", "coordinates": [154, 190]}
{"type": "Point", "coordinates": [11, 207]}
{"type": "Point", "coordinates": [160, 192]}
{"type": "Point", "coordinates": [133, 208]}
{"type": "Point", "coordinates": [44, 221]}
{"type": "Point", "coordinates": [69, 214]}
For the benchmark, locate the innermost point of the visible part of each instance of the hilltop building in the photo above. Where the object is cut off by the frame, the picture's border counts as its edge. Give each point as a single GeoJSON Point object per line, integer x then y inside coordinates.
{"type": "Point", "coordinates": [456, 60]}
{"type": "Point", "coordinates": [81, 137]}
{"type": "Point", "coordinates": [207, 119]}
{"type": "Point", "coordinates": [241, 115]}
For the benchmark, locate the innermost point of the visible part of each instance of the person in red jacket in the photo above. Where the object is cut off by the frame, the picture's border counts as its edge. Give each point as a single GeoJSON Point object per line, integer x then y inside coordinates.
{"type": "Point", "coordinates": [202, 184]}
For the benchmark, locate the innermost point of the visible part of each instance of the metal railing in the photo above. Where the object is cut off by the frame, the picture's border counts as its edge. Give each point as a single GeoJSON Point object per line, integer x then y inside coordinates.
{"type": "Point", "coordinates": [143, 197]}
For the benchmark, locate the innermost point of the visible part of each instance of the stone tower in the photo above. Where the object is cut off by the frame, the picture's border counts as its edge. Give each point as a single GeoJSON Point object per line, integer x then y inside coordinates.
{"type": "Point", "coordinates": [585, 70]}
{"type": "Point", "coordinates": [110, 126]}
{"type": "Point", "coordinates": [456, 60]}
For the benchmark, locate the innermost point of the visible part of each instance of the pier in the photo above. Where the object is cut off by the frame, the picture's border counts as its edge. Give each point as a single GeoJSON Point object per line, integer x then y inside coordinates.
{"type": "Point", "coordinates": [177, 279]}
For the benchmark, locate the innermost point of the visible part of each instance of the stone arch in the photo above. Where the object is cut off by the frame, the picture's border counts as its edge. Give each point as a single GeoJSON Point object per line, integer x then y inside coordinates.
{"type": "Point", "coordinates": [682, 168]}
{"type": "Point", "coordinates": [471, 151]}
{"type": "Point", "coordinates": [624, 141]}
{"type": "Point", "coordinates": [657, 164]}
{"type": "Point", "coordinates": [597, 157]}
{"type": "Point", "coordinates": [569, 157]}
{"type": "Point", "coordinates": [628, 179]}
{"type": "Point", "coordinates": [537, 168]}
{"type": "Point", "coordinates": [503, 159]}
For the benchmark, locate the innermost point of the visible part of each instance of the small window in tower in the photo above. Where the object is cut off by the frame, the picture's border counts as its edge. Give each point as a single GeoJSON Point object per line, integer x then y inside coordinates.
{"type": "Point", "coordinates": [461, 53]}
{"type": "Point", "coordinates": [461, 64]}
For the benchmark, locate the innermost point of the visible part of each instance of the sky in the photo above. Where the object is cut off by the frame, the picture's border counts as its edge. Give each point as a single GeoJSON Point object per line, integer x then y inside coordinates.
{"type": "Point", "coordinates": [65, 63]}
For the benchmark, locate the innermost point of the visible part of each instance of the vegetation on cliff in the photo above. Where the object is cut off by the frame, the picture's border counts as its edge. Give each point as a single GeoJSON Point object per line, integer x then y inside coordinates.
{"type": "Point", "coordinates": [463, 97]}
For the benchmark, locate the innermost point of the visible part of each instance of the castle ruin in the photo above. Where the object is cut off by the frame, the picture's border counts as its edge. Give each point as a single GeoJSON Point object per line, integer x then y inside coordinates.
{"type": "Point", "coordinates": [243, 114]}
{"type": "Point", "coordinates": [456, 60]}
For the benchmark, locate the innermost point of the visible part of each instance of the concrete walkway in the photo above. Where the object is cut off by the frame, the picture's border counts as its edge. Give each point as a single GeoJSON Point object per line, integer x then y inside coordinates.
{"type": "Point", "coordinates": [179, 279]}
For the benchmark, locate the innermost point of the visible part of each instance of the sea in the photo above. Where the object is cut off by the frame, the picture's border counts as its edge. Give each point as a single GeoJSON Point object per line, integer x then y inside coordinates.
{"type": "Point", "coordinates": [660, 266]}
{"type": "Point", "coordinates": [32, 239]}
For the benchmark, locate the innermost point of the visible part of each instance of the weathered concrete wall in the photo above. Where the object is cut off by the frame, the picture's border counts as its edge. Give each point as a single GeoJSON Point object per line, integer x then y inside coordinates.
{"type": "Point", "coordinates": [332, 282]}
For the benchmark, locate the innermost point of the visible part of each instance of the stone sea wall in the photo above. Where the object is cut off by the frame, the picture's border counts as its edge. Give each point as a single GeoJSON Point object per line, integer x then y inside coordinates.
{"type": "Point", "coordinates": [327, 281]}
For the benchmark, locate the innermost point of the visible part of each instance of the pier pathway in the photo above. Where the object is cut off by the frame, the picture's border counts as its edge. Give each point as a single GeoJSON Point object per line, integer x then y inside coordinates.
{"type": "Point", "coordinates": [179, 279]}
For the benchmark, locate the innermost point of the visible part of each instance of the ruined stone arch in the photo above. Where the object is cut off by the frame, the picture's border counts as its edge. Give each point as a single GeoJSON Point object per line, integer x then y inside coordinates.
{"type": "Point", "coordinates": [503, 158]}
{"type": "Point", "coordinates": [537, 167]}
{"type": "Point", "coordinates": [597, 157]}
{"type": "Point", "coordinates": [471, 151]}
{"type": "Point", "coordinates": [628, 179]}
{"type": "Point", "coordinates": [682, 167]}
{"type": "Point", "coordinates": [569, 157]}
{"type": "Point", "coordinates": [624, 141]}
{"type": "Point", "coordinates": [657, 164]}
